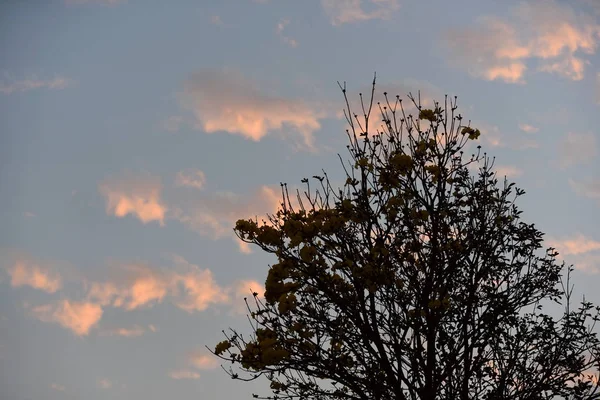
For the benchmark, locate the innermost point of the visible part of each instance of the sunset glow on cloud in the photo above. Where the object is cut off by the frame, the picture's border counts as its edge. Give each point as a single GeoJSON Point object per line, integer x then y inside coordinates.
{"type": "Point", "coordinates": [129, 152]}
{"type": "Point", "coordinates": [139, 196]}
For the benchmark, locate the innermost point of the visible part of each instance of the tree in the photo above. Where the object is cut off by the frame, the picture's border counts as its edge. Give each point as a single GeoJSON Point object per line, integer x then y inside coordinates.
{"type": "Point", "coordinates": [415, 280]}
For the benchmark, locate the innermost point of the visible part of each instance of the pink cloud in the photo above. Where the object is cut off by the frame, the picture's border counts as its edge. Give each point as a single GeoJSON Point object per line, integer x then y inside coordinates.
{"type": "Point", "coordinates": [227, 102]}
{"type": "Point", "coordinates": [196, 288]}
{"type": "Point", "coordinates": [589, 188]}
{"type": "Point", "coordinates": [510, 171]}
{"type": "Point", "coordinates": [348, 11]}
{"type": "Point", "coordinates": [58, 387]}
{"type": "Point", "coordinates": [547, 31]}
{"type": "Point", "coordinates": [136, 195]}
{"type": "Point", "coordinates": [192, 178]}
{"type": "Point", "coordinates": [201, 360]}
{"type": "Point", "coordinates": [528, 128]}
{"type": "Point", "coordinates": [79, 317]}
{"type": "Point", "coordinates": [104, 383]}
{"type": "Point", "coordinates": [575, 245]}
{"type": "Point", "coordinates": [26, 273]}
{"type": "Point", "coordinates": [279, 31]}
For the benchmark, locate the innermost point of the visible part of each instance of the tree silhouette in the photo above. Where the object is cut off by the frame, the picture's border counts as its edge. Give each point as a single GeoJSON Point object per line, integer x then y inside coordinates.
{"type": "Point", "coordinates": [415, 280]}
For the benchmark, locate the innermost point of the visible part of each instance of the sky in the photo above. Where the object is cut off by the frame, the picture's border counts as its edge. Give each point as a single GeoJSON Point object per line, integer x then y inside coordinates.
{"type": "Point", "coordinates": [133, 134]}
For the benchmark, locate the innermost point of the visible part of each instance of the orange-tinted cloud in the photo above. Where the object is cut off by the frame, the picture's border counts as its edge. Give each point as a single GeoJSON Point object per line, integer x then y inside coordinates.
{"type": "Point", "coordinates": [58, 387]}
{"type": "Point", "coordinates": [193, 178]}
{"type": "Point", "coordinates": [135, 195]}
{"type": "Point", "coordinates": [184, 374]}
{"type": "Point", "coordinates": [348, 11]}
{"type": "Point", "coordinates": [227, 102]}
{"type": "Point", "coordinates": [195, 288]}
{"type": "Point", "coordinates": [79, 317]}
{"type": "Point", "coordinates": [104, 383]}
{"type": "Point", "coordinates": [548, 31]}
{"type": "Point", "coordinates": [137, 286]}
{"type": "Point", "coordinates": [577, 148]}
{"type": "Point", "coordinates": [201, 360]}
{"type": "Point", "coordinates": [27, 273]}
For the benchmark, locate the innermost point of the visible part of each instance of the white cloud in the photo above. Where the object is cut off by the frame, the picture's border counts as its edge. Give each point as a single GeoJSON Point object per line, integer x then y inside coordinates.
{"type": "Point", "coordinates": [10, 86]}
{"type": "Point", "coordinates": [348, 11]}
{"type": "Point", "coordinates": [193, 178]}
{"type": "Point", "coordinates": [577, 148]}
{"type": "Point", "coordinates": [227, 102]}
{"type": "Point", "coordinates": [547, 31]}
{"type": "Point", "coordinates": [139, 195]}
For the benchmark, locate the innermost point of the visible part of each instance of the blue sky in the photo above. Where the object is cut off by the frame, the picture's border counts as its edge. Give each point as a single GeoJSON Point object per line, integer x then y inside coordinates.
{"type": "Point", "coordinates": [134, 134]}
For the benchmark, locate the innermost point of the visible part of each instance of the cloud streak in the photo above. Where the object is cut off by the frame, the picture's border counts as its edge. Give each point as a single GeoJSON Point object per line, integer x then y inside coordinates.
{"type": "Point", "coordinates": [25, 85]}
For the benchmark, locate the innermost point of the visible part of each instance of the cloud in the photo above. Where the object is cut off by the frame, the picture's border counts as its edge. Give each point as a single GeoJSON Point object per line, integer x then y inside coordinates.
{"type": "Point", "coordinates": [107, 2]}
{"type": "Point", "coordinates": [215, 214]}
{"type": "Point", "coordinates": [216, 20]}
{"type": "Point", "coordinates": [58, 387]}
{"type": "Point", "coordinates": [509, 171]}
{"type": "Point", "coordinates": [152, 328]}
{"type": "Point", "coordinates": [79, 317]}
{"type": "Point", "coordinates": [348, 11]}
{"type": "Point", "coordinates": [244, 289]}
{"type": "Point", "coordinates": [196, 288]}
{"type": "Point", "coordinates": [137, 286]}
{"type": "Point", "coordinates": [104, 383]}
{"type": "Point", "coordinates": [193, 178]}
{"type": "Point", "coordinates": [201, 360]}
{"type": "Point", "coordinates": [12, 86]}
{"type": "Point", "coordinates": [184, 374]}
{"type": "Point", "coordinates": [528, 128]}
{"type": "Point", "coordinates": [589, 189]}
{"type": "Point", "coordinates": [577, 148]}
{"type": "Point", "coordinates": [136, 195]}
{"type": "Point", "coordinates": [173, 123]}
{"type": "Point", "coordinates": [285, 39]}
{"type": "Point", "coordinates": [134, 331]}
{"type": "Point", "coordinates": [227, 102]}
{"type": "Point", "coordinates": [187, 286]}
{"type": "Point", "coordinates": [27, 273]}
{"type": "Point", "coordinates": [578, 244]}
{"type": "Point", "coordinates": [546, 31]}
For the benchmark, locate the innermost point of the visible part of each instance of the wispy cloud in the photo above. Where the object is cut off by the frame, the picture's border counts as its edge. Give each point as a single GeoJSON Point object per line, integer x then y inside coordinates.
{"type": "Point", "coordinates": [134, 331]}
{"type": "Point", "coordinates": [348, 11]}
{"type": "Point", "coordinates": [547, 31]}
{"type": "Point", "coordinates": [590, 188]}
{"type": "Point", "coordinates": [138, 195]}
{"type": "Point", "coordinates": [107, 2]}
{"type": "Point", "coordinates": [577, 148]}
{"type": "Point", "coordinates": [284, 38]}
{"type": "Point", "coordinates": [58, 387]}
{"type": "Point", "coordinates": [528, 128]}
{"type": "Point", "coordinates": [583, 251]}
{"type": "Point", "coordinates": [193, 178]}
{"type": "Point", "coordinates": [228, 102]}
{"type": "Point", "coordinates": [215, 214]}
{"type": "Point", "coordinates": [9, 86]}
{"type": "Point", "coordinates": [201, 360]}
{"type": "Point", "coordinates": [27, 273]}
{"type": "Point", "coordinates": [79, 317]}
{"type": "Point", "coordinates": [184, 374]}
{"type": "Point", "coordinates": [104, 383]}
{"type": "Point", "coordinates": [510, 171]}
